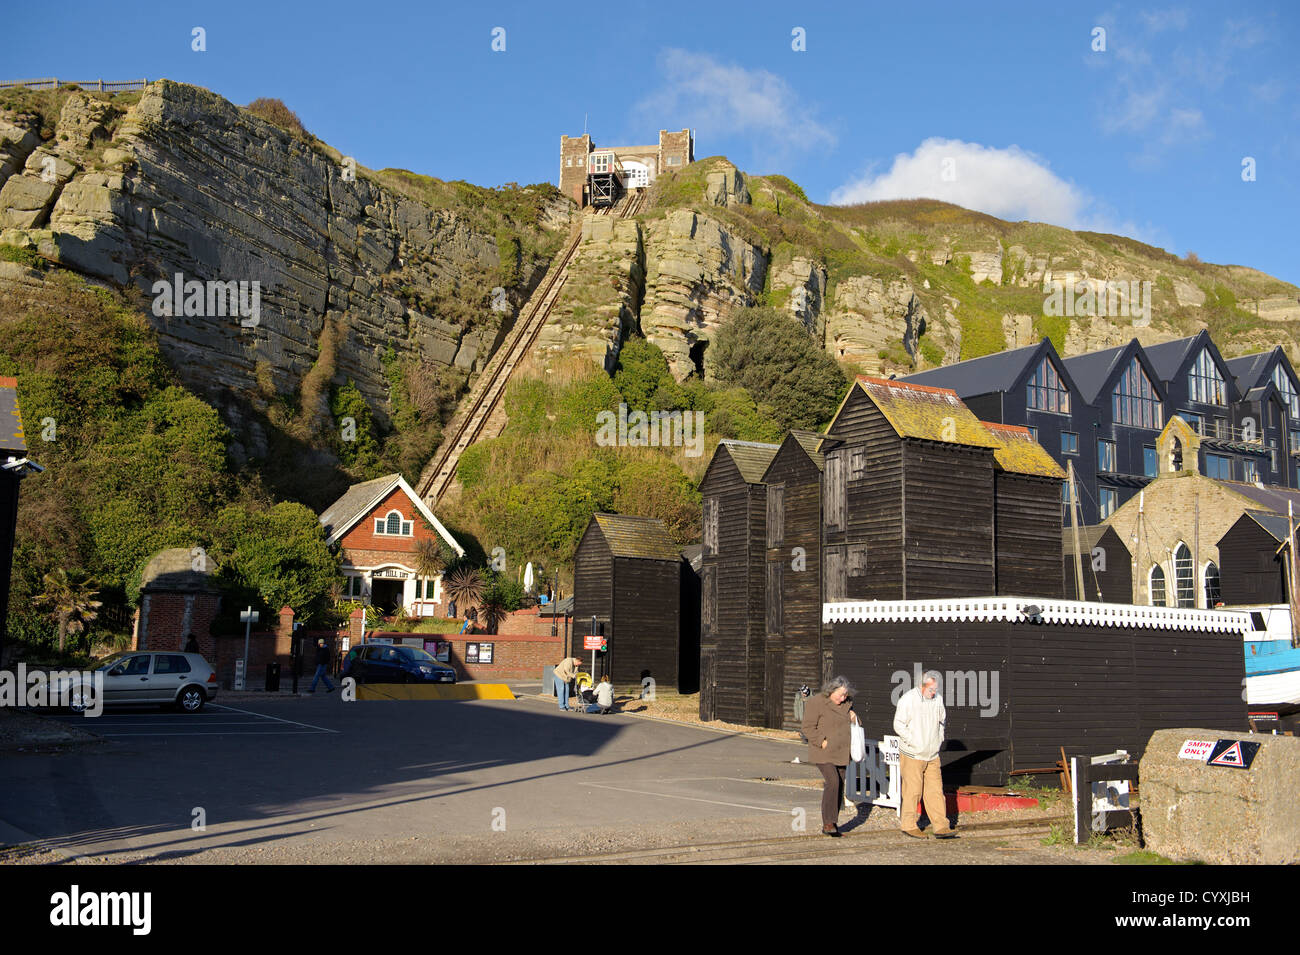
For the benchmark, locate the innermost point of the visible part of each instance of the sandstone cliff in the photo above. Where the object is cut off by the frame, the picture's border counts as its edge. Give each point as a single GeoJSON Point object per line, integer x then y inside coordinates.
{"type": "Point", "coordinates": [136, 189]}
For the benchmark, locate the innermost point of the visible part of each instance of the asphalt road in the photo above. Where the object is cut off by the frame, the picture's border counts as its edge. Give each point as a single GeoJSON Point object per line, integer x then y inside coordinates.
{"type": "Point", "coordinates": [321, 780]}
{"type": "Point", "coordinates": [371, 770]}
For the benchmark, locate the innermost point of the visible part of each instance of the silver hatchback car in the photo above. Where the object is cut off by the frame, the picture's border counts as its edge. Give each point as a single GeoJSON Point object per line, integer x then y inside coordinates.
{"type": "Point", "coordinates": [169, 677]}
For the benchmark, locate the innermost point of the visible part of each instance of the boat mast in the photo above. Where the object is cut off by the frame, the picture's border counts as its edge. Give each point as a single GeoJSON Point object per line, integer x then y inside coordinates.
{"type": "Point", "coordinates": [1074, 532]}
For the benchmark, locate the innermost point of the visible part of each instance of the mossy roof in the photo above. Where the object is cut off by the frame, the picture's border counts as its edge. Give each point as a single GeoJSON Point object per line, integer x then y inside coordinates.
{"type": "Point", "coordinates": [1020, 453]}
{"type": "Point", "coordinates": [751, 457]}
{"type": "Point", "coordinates": [642, 537]}
{"type": "Point", "coordinates": [932, 414]}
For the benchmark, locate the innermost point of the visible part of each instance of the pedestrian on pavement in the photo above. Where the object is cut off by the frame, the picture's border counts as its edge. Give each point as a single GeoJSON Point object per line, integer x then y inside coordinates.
{"type": "Point", "coordinates": [604, 696]}
{"type": "Point", "coordinates": [919, 725]}
{"type": "Point", "coordinates": [322, 664]}
{"type": "Point", "coordinates": [191, 644]}
{"type": "Point", "coordinates": [827, 718]}
{"type": "Point", "coordinates": [565, 672]}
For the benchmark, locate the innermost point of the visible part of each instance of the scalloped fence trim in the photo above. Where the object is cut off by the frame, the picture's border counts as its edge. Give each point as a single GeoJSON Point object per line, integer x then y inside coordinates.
{"type": "Point", "coordinates": [1050, 611]}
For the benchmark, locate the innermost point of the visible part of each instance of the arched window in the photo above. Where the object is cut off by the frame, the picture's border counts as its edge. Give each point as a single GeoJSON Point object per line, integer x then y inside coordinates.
{"type": "Point", "coordinates": [1184, 582]}
{"type": "Point", "coordinates": [1156, 585]}
{"type": "Point", "coordinates": [1176, 456]}
{"type": "Point", "coordinates": [393, 524]}
{"type": "Point", "coordinates": [1213, 593]}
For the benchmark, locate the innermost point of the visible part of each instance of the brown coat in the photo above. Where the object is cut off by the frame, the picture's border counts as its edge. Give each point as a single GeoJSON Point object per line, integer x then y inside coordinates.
{"type": "Point", "coordinates": [823, 720]}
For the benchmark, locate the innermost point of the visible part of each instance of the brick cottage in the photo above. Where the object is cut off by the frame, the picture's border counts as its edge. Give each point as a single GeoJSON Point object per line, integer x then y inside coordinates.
{"type": "Point", "coordinates": [378, 525]}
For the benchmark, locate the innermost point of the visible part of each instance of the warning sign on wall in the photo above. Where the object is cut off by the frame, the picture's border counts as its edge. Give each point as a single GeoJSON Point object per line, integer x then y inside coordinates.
{"type": "Point", "coordinates": [1233, 753]}
{"type": "Point", "coordinates": [1197, 749]}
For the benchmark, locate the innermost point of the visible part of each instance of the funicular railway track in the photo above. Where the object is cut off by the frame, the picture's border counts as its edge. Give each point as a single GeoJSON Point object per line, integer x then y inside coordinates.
{"type": "Point", "coordinates": [468, 423]}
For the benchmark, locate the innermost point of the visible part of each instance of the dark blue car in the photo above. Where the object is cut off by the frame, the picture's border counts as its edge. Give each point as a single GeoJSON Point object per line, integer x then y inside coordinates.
{"type": "Point", "coordinates": [389, 663]}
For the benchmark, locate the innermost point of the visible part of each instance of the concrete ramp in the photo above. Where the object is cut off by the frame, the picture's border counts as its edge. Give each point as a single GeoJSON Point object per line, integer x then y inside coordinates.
{"type": "Point", "coordinates": [458, 691]}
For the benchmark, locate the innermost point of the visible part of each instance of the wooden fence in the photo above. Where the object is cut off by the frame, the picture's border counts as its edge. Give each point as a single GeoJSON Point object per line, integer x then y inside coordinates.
{"type": "Point", "coordinates": [99, 86]}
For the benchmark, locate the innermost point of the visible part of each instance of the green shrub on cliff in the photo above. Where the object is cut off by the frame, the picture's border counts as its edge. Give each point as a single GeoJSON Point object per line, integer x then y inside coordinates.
{"type": "Point", "coordinates": [771, 354]}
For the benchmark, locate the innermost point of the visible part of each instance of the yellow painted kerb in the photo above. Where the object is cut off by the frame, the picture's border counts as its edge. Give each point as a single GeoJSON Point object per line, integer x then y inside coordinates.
{"type": "Point", "coordinates": [459, 691]}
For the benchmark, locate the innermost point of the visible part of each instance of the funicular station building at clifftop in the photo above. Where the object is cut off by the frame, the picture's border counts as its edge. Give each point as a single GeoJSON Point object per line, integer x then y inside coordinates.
{"type": "Point", "coordinates": [598, 176]}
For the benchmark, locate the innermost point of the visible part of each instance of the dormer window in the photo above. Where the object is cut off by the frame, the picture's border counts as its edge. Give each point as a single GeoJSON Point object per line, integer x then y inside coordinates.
{"type": "Point", "coordinates": [1134, 400]}
{"type": "Point", "coordinates": [1046, 393]}
{"type": "Point", "coordinates": [1204, 381]}
{"type": "Point", "coordinates": [392, 525]}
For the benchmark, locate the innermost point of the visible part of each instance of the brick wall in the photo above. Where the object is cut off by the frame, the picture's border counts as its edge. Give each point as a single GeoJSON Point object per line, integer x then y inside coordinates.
{"type": "Point", "coordinates": [573, 165]}
{"type": "Point", "coordinates": [165, 618]}
{"type": "Point", "coordinates": [513, 657]}
{"type": "Point", "coordinates": [362, 536]}
{"type": "Point", "coordinates": [675, 146]}
{"type": "Point", "coordinates": [530, 622]}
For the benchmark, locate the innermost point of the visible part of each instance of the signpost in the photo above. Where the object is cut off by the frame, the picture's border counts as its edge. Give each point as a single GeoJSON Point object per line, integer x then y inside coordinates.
{"type": "Point", "coordinates": [247, 618]}
{"type": "Point", "coordinates": [877, 779]}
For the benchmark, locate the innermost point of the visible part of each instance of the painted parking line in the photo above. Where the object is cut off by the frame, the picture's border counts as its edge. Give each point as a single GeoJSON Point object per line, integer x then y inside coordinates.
{"type": "Point", "coordinates": [265, 716]}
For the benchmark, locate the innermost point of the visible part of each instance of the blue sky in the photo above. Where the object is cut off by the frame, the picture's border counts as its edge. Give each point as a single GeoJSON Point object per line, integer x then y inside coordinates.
{"type": "Point", "coordinates": [1146, 137]}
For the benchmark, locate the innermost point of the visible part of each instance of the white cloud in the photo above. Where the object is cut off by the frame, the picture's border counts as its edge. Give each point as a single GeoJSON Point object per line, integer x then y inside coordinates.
{"type": "Point", "coordinates": [728, 100]}
{"type": "Point", "coordinates": [1009, 183]}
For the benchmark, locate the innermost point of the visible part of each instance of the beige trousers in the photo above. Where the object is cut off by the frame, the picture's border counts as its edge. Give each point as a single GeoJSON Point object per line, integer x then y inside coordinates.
{"type": "Point", "coordinates": [922, 781]}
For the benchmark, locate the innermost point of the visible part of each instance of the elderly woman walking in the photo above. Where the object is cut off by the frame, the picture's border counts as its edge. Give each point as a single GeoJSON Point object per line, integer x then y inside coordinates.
{"type": "Point", "coordinates": [826, 721]}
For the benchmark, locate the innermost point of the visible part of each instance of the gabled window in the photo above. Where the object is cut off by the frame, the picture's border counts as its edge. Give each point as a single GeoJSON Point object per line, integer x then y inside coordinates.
{"type": "Point", "coordinates": [1045, 391]}
{"type": "Point", "coordinates": [1283, 382]}
{"type": "Point", "coordinates": [1204, 383]}
{"type": "Point", "coordinates": [393, 525]}
{"type": "Point", "coordinates": [1134, 400]}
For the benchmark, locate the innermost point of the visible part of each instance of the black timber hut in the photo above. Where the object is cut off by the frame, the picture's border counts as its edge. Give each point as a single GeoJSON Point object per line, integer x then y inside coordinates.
{"type": "Point", "coordinates": [688, 676]}
{"type": "Point", "coordinates": [793, 655]}
{"type": "Point", "coordinates": [909, 497]}
{"type": "Point", "coordinates": [1252, 569]}
{"type": "Point", "coordinates": [1026, 513]}
{"type": "Point", "coordinates": [732, 578]}
{"type": "Point", "coordinates": [13, 467]}
{"type": "Point", "coordinates": [1018, 686]}
{"type": "Point", "coordinates": [1107, 565]}
{"type": "Point", "coordinates": [627, 575]}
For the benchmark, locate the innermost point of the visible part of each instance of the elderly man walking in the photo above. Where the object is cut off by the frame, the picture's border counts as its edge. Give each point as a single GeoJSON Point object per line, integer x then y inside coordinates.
{"type": "Point", "coordinates": [565, 671]}
{"type": "Point", "coordinates": [918, 723]}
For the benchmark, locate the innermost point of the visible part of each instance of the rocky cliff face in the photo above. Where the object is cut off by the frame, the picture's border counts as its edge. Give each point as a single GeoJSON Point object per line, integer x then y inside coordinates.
{"type": "Point", "coordinates": [135, 191]}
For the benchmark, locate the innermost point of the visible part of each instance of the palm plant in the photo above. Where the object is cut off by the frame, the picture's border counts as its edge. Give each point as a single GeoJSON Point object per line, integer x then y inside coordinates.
{"type": "Point", "coordinates": [430, 560]}
{"type": "Point", "coordinates": [72, 602]}
{"type": "Point", "coordinates": [465, 586]}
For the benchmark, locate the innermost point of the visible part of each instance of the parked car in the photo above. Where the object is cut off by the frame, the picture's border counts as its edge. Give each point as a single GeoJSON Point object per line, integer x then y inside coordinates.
{"type": "Point", "coordinates": [170, 678]}
{"type": "Point", "coordinates": [393, 663]}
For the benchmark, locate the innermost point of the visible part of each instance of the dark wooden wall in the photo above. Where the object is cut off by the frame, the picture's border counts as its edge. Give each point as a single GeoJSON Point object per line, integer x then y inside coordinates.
{"type": "Point", "coordinates": [1249, 571]}
{"type": "Point", "coordinates": [1115, 581]}
{"type": "Point", "coordinates": [593, 577]}
{"type": "Point", "coordinates": [794, 633]}
{"type": "Point", "coordinates": [948, 521]}
{"type": "Point", "coordinates": [688, 655]}
{"type": "Point", "coordinates": [647, 625]}
{"type": "Point", "coordinates": [1027, 529]}
{"type": "Point", "coordinates": [872, 539]}
{"type": "Point", "coordinates": [1090, 689]}
{"type": "Point", "coordinates": [732, 645]}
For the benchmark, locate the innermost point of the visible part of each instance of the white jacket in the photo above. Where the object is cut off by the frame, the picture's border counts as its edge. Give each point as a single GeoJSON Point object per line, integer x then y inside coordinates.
{"type": "Point", "coordinates": [918, 723]}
